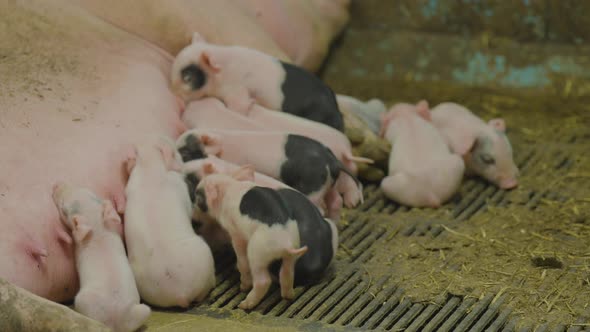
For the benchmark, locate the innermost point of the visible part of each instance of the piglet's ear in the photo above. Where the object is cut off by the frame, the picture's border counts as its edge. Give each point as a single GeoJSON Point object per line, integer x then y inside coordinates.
{"type": "Point", "coordinates": [208, 61]}
{"type": "Point", "coordinates": [211, 144]}
{"type": "Point", "coordinates": [498, 124]}
{"type": "Point", "coordinates": [80, 230]}
{"type": "Point", "coordinates": [465, 146]}
{"type": "Point", "coordinates": [212, 193]}
{"type": "Point", "coordinates": [209, 139]}
{"type": "Point", "coordinates": [197, 38]}
{"type": "Point", "coordinates": [423, 110]}
{"type": "Point", "coordinates": [111, 218]}
{"type": "Point", "coordinates": [209, 168]}
{"type": "Point", "coordinates": [244, 173]}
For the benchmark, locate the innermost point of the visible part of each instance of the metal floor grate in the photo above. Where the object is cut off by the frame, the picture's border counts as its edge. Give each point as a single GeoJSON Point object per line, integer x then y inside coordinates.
{"type": "Point", "coordinates": [348, 299]}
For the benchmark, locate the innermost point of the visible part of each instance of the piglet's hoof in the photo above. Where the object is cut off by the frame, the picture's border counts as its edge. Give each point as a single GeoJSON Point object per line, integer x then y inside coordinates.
{"type": "Point", "coordinates": [247, 305]}
{"type": "Point", "coordinates": [288, 295]}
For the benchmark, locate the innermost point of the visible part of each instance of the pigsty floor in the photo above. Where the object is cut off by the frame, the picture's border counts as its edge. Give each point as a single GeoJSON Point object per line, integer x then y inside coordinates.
{"type": "Point", "coordinates": [489, 260]}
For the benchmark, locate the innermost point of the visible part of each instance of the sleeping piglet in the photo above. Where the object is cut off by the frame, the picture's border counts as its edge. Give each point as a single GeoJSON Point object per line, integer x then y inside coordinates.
{"type": "Point", "coordinates": [211, 113]}
{"type": "Point", "coordinates": [172, 265]}
{"type": "Point", "coordinates": [265, 226]}
{"type": "Point", "coordinates": [300, 162]}
{"type": "Point", "coordinates": [108, 292]}
{"type": "Point", "coordinates": [422, 170]}
{"type": "Point", "coordinates": [241, 76]}
{"type": "Point", "coordinates": [484, 147]}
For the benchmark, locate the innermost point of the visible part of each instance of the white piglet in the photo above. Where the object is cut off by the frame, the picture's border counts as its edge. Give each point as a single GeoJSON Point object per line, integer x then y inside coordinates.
{"type": "Point", "coordinates": [422, 170]}
{"type": "Point", "coordinates": [484, 146]}
{"type": "Point", "coordinates": [172, 265]}
{"type": "Point", "coordinates": [108, 292]}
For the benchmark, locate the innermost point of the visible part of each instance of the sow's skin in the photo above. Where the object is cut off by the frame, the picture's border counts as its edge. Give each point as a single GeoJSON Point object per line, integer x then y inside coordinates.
{"type": "Point", "coordinates": [299, 162]}
{"type": "Point", "coordinates": [172, 265]}
{"type": "Point", "coordinates": [267, 225]}
{"type": "Point", "coordinates": [211, 113]}
{"type": "Point", "coordinates": [241, 77]}
{"type": "Point", "coordinates": [108, 292]}
{"type": "Point", "coordinates": [485, 148]}
{"type": "Point", "coordinates": [422, 170]}
{"type": "Point", "coordinates": [115, 88]}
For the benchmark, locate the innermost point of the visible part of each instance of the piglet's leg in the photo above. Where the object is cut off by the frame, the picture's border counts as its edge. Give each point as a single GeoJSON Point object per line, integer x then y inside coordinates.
{"type": "Point", "coordinates": [334, 203]}
{"type": "Point", "coordinates": [240, 248]}
{"type": "Point", "coordinates": [286, 277]}
{"type": "Point", "coordinates": [261, 285]}
{"type": "Point", "coordinates": [319, 201]}
{"type": "Point", "coordinates": [259, 256]}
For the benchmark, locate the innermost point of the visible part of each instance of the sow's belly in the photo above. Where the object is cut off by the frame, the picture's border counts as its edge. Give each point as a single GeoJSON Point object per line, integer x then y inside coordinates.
{"type": "Point", "coordinates": [73, 124]}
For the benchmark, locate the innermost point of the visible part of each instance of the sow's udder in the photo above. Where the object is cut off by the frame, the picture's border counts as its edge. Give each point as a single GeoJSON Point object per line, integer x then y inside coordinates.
{"type": "Point", "coordinates": [69, 114]}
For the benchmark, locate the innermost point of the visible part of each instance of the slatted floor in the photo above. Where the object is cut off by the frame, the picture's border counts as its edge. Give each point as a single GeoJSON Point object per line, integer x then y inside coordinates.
{"type": "Point", "coordinates": [349, 299]}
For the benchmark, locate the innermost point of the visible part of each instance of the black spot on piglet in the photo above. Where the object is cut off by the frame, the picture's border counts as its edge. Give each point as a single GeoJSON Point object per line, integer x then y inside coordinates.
{"type": "Point", "coordinates": [309, 164]}
{"type": "Point", "coordinates": [314, 232]}
{"type": "Point", "coordinates": [192, 149]}
{"type": "Point", "coordinates": [306, 96]}
{"type": "Point", "coordinates": [191, 181]}
{"type": "Point", "coordinates": [194, 76]}
{"type": "Point", "coordinates": [264, 205]}
{"type": "Point", "coordinates": [201, 200]}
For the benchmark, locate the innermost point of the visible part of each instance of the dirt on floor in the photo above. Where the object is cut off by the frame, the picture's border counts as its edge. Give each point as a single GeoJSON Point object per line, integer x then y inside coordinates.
{"type": "Point", "coordinates": [534, 260]}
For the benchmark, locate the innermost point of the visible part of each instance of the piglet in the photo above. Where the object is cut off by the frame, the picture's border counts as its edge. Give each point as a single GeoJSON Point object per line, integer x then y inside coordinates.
{"type": "Point", "coordinates": [108, 292]}
{"type": "Point", "coordinates": [369, 112]}
{"type": "Point", "coordinates": [266, 225]}
{"type": "Point", "coordinates": [422, 170]}
{"type": "Point", "coordinates": [241, 76]}
{"type": "Point", "coordinates": [172, 265]}
{"type": "Point", "coordinates": [300, 162]}
{"type": "Point", "coordinates": [199, 168]}
{"type": "Point", "coordinates": [194, 171]}
{"type": "Point", "coordinates": [335, 140]}
{"type": "Point", "coordinates": [211, 113]}
{"type": "Point", "coordinates": [484, 147]}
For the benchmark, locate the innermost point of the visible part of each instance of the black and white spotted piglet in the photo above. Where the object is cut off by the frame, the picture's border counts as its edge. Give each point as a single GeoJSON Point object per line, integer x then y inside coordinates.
{"type": "Point", "coordinates": [241, 76]}
{"type": "Point", "coordinates": [266, 225]}
{"type": "Point", "coordinates": [300, 162]}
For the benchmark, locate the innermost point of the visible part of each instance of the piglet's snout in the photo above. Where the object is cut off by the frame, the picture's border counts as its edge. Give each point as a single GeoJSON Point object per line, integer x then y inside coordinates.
{"type": "Point", "coordinates": [508, 183]}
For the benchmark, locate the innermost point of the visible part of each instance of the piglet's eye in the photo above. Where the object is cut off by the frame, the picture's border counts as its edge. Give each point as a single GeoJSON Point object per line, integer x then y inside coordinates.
{"type": "Point", "coordinates": [193, 76]}
{"type": "Point", "coordinates": [487, 159]}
